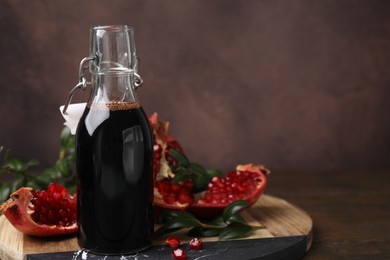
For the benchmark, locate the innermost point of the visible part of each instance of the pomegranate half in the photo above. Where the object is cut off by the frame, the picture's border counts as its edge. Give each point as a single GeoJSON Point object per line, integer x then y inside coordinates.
{"type": "Point", "coordinates": [50, 212]}
{"type": "Point", "coordinates": [247, 182]}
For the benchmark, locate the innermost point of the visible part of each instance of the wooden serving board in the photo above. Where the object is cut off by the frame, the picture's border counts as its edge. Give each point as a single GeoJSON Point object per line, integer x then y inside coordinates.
{"type": "Point", "coordinates": [288, 234]}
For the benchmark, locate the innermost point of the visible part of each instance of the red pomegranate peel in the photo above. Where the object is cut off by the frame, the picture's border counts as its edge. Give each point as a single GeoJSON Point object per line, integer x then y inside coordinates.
{"type": "Point", "coordinates": [19, 211]}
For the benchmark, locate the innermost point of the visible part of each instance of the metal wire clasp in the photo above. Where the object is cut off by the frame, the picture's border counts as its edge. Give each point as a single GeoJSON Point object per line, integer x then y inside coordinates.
{"type": "Point", "coordinates": [138, 81]}
{"type": "Point", "coordinates": [82, 84]}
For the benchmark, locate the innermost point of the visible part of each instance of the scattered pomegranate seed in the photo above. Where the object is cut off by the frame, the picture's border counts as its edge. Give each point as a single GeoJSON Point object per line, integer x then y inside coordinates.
{"type": "Point", "coordinates": [172, 242]}
{"type": "Point", "coordinates": [179, 254]}
{"type": "Point", "coordinates": [196, 243]}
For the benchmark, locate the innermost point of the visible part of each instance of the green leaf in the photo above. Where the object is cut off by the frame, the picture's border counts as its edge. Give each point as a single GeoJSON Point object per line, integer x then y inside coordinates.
{"type": "Point", "coordinates": [167, 215]}
{"type": "Point", "coordinates": [180, 157]}
{"type": "Point", "coordinates": [63, 169]}
{"type": "Point", "coordinates": [33, 184]}
{"type": "Point", "coordinates": [234, 230]}
{"type": "Point", "coordinates": [182, 223]}
{"type": "Point", "coordinates": [203, 232]}
{"type": "Point", "coordinates": [57, 172]}
{"type": "Point", "coordinates": [5, 191]}
{"type": "Point", "coordinates": [214, 172]}
{"type": "Point", "coordinates": [47, 176]}
{"type": "Point", "coordinates": [7, 188]}
{"type": "Point", "coordinates": [66, 138]}
{"type": "Point", "coordinates": [236, 218]}
{"type": "Point", "coordinates": [29, 164]}
{"type": "Point", "coordinates": [71, 187]}
{"type": "Point", "coordinates": [174, 219]}
{"type": "Point", "coordinates": [200, 182]}
{"type": "Point", "coordinates": [196, 167]}
{"type": "Point", "coordinates": [180, 175]}
{"type": "Point", "coordinates": [18, 183]}
{"type": "Point", "coordinates": [218, 221]}
{"type": "Point", "coordinates": [175, 168]}
{"type": "Point", "coordinates": [234, 208]}
{"type": "Point", "coordinates": [13, 165]}
{"type": "Point", "coordinates": [17, 166]}
{"type": "Point", "coordinates": [6, 156]}
{"type": "Point", "coordinates": [162, 230]}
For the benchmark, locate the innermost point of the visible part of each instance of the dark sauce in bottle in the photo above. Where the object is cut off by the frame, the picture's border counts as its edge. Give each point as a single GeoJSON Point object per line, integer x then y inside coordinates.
{"type": "Point", "coordinates": [114, 182]}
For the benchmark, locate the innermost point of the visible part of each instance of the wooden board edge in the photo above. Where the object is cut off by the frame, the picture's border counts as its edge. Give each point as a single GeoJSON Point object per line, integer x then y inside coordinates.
{"type": "Point", "coordinates": [298, 217]}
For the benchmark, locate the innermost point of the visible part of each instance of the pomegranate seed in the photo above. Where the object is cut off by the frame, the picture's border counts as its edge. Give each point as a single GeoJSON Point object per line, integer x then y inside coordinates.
{"type": "Point", "coordinates": [65, 203]}
{"type": "Point", "coordinates": [163, 187]}
{"type": "Point", "coordinates": [217, 181]}
{"type": "Point", "coordinates": [208, 197]}
{"type": "Point", "coordinates": [157, 148]}
{"type": "Point", "coordinates": [179, 254]}
{"type": "Point", "coordinates": [173, 242]}
{"type": "Point", "coordinates": [196, 243]}
{"type": "Point", "coordinates": [43, 211]}
{"type": "Point", "coordinates": [217, 196]}
{"type": "Point", "coordinates": [234, 186]}
{"type": "Point", "coordinates": [184, 197]}
{"type": "Point", "coordinates": [57, 197]}
{"type": "Point", "coordinates": [175, 187]}
{"type": "Point", "coordinates": [169, 198]}
{"type": "Point", "coordinates": [242, 188]}
{"type": "Point", "coordinates": [214, 189]}
{"type": "Point", "coordinates": [188, 185]}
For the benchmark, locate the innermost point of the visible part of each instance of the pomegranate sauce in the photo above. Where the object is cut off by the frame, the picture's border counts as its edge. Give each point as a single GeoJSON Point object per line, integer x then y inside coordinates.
{"type": "Point", "coordinates": [114, 185]}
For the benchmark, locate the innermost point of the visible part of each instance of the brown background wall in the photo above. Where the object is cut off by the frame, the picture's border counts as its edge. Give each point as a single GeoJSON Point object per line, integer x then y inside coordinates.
{"type": "Point", "coordinates": [296, 85]}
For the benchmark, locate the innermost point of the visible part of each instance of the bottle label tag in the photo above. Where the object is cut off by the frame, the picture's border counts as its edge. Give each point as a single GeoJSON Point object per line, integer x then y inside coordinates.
{"type": "Point", "coordinates": [73, 115]}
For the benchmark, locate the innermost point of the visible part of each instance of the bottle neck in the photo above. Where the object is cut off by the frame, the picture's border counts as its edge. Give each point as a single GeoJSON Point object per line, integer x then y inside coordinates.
{"type": "Point", "coordinates": [113, 65]}
{"type": "Point", "coordinates": [112, 88]}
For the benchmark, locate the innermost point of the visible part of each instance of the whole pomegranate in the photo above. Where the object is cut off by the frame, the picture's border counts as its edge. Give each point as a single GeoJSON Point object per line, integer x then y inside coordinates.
{"type": "Point", "coordinates": [247, 182]}
{"type": "Point", "coordinates": [50, 212]}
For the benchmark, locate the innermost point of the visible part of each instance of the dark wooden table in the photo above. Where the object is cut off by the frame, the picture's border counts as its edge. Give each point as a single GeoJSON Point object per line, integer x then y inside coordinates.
{"type": "Point", "coordinates": [350, 211]}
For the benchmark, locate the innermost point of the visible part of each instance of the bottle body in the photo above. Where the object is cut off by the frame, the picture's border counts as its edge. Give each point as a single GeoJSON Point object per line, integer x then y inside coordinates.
{"type": "Point", "coordinates": [114, 166]}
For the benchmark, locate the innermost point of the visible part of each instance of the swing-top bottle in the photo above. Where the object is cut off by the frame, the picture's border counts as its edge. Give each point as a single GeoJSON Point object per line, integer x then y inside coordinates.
{"type": "Point", "coordinates": [114, 150]}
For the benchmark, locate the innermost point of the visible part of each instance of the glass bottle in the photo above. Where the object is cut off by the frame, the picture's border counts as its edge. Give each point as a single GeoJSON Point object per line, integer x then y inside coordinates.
{"type": "Point", "coordinates": [114, 151]}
